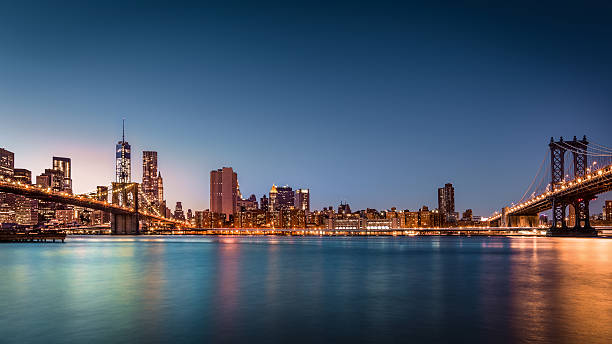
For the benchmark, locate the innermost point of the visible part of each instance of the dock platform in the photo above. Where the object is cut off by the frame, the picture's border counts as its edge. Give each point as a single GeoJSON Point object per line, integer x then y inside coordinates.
{"type": "Point", "coordinates": [32, 236]}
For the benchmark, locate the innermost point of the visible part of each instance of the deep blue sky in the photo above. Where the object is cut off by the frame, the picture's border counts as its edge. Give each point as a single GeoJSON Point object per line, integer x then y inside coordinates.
{"type": "Point", "coordinates": [374, 103]}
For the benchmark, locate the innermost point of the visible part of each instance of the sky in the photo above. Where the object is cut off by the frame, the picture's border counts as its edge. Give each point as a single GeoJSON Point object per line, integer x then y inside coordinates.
{"type": "Point", "coordinates": [373, 103]}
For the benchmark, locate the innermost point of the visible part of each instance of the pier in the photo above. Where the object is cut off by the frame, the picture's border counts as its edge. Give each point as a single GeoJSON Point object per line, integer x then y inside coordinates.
{"type": "Point", "coordinates": [32, 236]}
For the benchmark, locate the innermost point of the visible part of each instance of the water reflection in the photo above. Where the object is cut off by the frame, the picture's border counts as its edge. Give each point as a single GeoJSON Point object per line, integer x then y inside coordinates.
{"type": "Point", "coordinates": [158, 289]}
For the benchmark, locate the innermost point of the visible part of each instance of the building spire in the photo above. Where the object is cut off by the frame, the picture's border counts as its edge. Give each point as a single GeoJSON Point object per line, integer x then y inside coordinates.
{"type": "Point", "coordinates": [123, 136]}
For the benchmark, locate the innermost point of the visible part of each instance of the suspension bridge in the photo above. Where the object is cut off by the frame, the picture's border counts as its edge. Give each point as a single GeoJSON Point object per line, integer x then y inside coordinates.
{"type": "Point", "coordinates": [563, 184]}
{"type": "Point", "coordinates": [129, 206]}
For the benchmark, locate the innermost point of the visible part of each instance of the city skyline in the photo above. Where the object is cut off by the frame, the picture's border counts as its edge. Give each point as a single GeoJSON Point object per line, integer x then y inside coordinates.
{"type": "Point", "coordinates": [440, 195]}
{"type": "Point", "coordinates": [377, 112]}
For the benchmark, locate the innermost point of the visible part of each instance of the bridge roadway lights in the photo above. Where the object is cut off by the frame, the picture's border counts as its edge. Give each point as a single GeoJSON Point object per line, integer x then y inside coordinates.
{"type": "Point", "coordinates": [122, 224]}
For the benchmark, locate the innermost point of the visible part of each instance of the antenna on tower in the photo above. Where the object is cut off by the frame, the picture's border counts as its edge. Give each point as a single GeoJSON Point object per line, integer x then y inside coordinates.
{"type": "Point", "coordinates": [123, 136]}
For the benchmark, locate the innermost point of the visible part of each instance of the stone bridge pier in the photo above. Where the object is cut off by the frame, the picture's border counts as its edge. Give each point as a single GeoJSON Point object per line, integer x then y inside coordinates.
{"type": "Point", "coordinates": [125, 224]}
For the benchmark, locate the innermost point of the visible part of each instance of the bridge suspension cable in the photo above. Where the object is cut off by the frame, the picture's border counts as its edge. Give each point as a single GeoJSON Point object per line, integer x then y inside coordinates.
{"type": "Point", "coordinates": [534, 178]}
{"type": "Point", "coordinates": [601, 147]}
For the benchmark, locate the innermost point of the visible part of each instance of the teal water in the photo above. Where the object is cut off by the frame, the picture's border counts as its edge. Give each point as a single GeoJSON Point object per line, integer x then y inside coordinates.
{"type": "Point", "coordinates": [307, 289]}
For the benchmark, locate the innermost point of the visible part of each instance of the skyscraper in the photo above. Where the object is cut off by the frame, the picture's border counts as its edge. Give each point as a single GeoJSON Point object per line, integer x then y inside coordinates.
{"type": "Point", "coordinates": [446, 201]}
{"type": "Point", "coordinates": [223, 191]}
{"type": "Point", "coordinates": [149, 176]}
{"type": "Point", "coordinates": [285, 198]}
{"type": "Point", "coordinates": [7, 163]}
{"type": "Point", "coordinates": [64, 165]}
{"type": "Point", "coordinates": [7, 201]}
{"type": "Point", "coordinates": [302, 199]}
{"type": "Point", "coordinates": [272, 200]}
{"type": "Point", "coordinates": [123, 160]}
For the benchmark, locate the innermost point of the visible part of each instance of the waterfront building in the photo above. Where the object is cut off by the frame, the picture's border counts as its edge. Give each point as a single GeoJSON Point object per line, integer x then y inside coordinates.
{"type": "Point", "coordinates": [7, 208]}
{"type": "Point", "coordinates": [7, 163]}
{"type": "Point", "coordinates": [410, 219]}
{"type": "Point", "coordinates": [65, 166]}
{"type": "Point", "coordinates": [446, 202]}
{"type": "Point", "coordinates": [272, 206]}
{"type": "Point", "coordinates": [362, 224]}
{"type": "Point", "coordinates": [123, 160]}
{"type": "Point", "coordinates": [284, 198]}
{"type": "Point", "coordinates": [189, 215]}
{"type": "Point", "coordinates": [26, 211]}
{"type": "Point", "coordinates": [23, 176]}
{"type": "Point", "coordinates": [223, 191]}
{"type": "Point", "coordinates": [178, 211]}
{"type": "Point", "coordinates": [302, 200]}
{"type": "Point", "coordinates": [149, 176]}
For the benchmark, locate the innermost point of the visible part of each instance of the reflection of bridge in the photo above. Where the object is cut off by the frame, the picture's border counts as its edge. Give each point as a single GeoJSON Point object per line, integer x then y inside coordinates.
{"type": "Point", "coordinates": [126, 208]}
{"type": "Point", "coordinates": [588, 180]}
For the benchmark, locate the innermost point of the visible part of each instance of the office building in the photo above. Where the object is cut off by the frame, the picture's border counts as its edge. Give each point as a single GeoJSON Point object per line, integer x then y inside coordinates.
{"type": "Point", "coordinates": [285, 198]}
{"type": "Point", "coordinates": [446, 202]}
{"type": "Point", "coordinates": [123, 160]}
{"type": "Point", "coordinates": [65, 166]}
{"type": "Point", "coordinates": [149, 176]}
{"type": "Point", "coordinates": [223, 191]}
{"type": "Point", "coordinates": [26, 211]}
{"type": "Point", "coordinates": [302, 200]}
{"type": "Point", "coordinates": [53, 179]}
{"type": "Point", "coordinates": [65, 216]}
{"type": "Point", "coordinates": [7, 208]}
{"type": "Point", "coordinates": [273, 194]}
{"type": "Point", "coordinates": [23, 176]}
{"type": "Point", "coordinates": [7, 163]}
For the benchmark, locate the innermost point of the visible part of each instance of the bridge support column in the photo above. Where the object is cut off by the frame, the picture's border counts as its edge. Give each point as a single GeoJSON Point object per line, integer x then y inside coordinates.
{"type": "Point", "coordinates": [581, 207]}
{"type": "Point", "coordinates": [125, 224]}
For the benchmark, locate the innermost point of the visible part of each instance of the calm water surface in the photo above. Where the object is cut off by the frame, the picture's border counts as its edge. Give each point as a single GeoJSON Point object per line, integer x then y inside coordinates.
{"type": "Point", "coordinates": [263, 289]}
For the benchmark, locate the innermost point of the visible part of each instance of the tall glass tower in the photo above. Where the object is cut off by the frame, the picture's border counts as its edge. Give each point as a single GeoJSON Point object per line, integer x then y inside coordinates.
{"type": "Point", "coordinates": [123, 160]}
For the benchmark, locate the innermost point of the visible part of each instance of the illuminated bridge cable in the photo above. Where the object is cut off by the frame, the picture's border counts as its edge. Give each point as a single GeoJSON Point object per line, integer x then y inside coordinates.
{"type": "Point", "coordinates": [601, 147]}
{"type": "Point", "coordinates": [534, 178]}
{"type": "Point", "coordinates": [573, 149]}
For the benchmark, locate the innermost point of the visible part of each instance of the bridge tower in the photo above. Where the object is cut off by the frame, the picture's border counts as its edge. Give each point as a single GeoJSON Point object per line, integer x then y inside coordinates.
{"type": "Point", "coordinates": [557, 175]}
{"type": "Point", "coordinates": [125, 195]}
{"type": "Point", "coordinates": [580, 203]}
